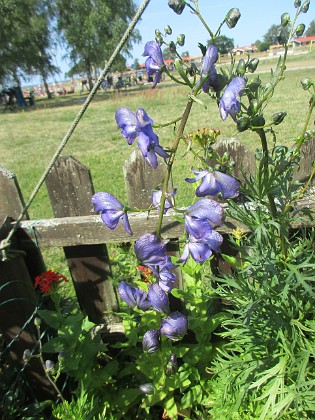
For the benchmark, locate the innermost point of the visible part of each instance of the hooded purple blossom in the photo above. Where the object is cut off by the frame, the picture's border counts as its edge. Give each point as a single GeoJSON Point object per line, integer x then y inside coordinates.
{"type": "Point", "coordinates": [151, 251]}
{"type": "Point", "coordinates": [140, 124]}
{"type": "Point", "coordinates": [174, 326]}
{"type": "Point", "coordinates": [133, 296]}
{"type": "Point", "coordinates": [214, 182]}
{"type": "Point", "coordinates": [200, 213]}
{"type": "Point", "coordinates": [166, 277]}
{"type": "Point", "coordinates": [156, 199]}
{"type": "Point", "coordinates": [151, 341]}
{"type": "Point", "coordinates": [158, 299]}
{"type": "Point", "coordinates": [154, 63]}
{"type": "Point", "coordinates": [208, 68]}
{"type": "Point", "coordinates": [230, 101]}
{"type": "Point", "coordinates": [111, 210]}
{"type": "Point", "coordinates": [201, 247]}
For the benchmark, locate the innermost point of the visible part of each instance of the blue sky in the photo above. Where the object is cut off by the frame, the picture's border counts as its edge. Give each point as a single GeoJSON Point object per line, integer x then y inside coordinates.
{"type": "Point", "coordinates": [256, 19]}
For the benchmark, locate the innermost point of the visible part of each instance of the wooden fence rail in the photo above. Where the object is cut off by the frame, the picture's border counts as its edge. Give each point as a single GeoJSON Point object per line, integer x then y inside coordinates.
{"type": "Point", "coordinates": [83, 237]}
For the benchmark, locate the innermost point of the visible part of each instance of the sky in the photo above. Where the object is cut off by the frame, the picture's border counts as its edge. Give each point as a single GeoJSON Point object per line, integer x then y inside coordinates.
{"type": "Point", "coordinates": [256, 18]}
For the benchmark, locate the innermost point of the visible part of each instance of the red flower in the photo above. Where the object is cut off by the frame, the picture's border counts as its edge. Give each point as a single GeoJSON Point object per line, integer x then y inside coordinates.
{"type": "Point", "coordinates": [146, 273]}
{"type": "Point", "coordinates": [47, 280]}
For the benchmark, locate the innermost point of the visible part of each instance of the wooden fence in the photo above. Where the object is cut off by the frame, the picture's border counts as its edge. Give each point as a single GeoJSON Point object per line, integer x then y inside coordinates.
{"type": "Point", "coordinates": [83, 237]}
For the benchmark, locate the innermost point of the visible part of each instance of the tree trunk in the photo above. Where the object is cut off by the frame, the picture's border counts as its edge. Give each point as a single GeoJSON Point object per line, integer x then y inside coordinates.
{"type": "Point", "coordinates": [49, 95]}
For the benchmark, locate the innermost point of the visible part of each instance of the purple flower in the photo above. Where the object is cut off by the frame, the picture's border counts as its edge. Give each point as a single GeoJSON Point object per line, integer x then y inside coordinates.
{"type": "Point", "coordinates": [154, 63]}
{"type": "Point", "coordinates": [174, 326]}
{"type": "Point", "coordinates": [200, 247]}
{"type": "Point", "coordinates": [158, 299]}
{"type": "Point", "coordinates": [156, 199]}
{"type": "Point", "coordinates": [166, 277]}
{"type": "Point", "coordinates": [230, 101]}
{"type": "Point", "coordinates": [200, 213]}
{"type": "Point", "coordinates": [140, 124]}
{"type": "Point", "coordinates": [111, 210]}
{"type": "Point", "coordinates": [151, 341]}
{"type": "Point", "coordinates": [151, 250]}
{"type": "Point", "coordinates": [214, 182]}
{"type": "Point", "coordinates": [208, 68]}
{"type": "Point", "coordinates": [133, 296]}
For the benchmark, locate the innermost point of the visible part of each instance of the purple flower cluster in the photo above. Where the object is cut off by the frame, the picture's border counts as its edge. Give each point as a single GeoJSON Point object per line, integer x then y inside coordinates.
{"type": "Point", "coordinates": [202, 239]}
{"type": "Point", "coordinates": [156, 199]}
{"type": "Point", "coordinates": [230, 101]}
{"type": "Point", "coordinates": [208, 68]}
{"type": "Point", "coordinates": [140, 125]}
{"type": "Point", "coordinates": [214, 183]}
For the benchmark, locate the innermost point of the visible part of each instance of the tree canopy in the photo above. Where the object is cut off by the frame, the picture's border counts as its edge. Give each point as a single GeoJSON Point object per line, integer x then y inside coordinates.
{"type": "Point", "coordinates": [276, 34]}
{"type": "Point", "coordinates": [310, 31]}
{"type": "Point", "coordinates": [223, 44]}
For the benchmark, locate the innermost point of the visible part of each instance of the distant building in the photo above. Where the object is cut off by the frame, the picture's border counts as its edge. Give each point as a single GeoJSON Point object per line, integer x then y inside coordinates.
{"type": "Point", "coordinates": [302, 41]}
{"type": "Point", "coordinates": [244, 50]}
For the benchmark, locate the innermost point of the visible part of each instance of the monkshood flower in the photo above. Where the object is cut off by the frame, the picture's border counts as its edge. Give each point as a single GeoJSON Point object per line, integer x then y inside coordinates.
{"type": "Point", "coordinates": [166, 277]}
{"type": "Point", "coordinates": [151, 250]}
{"type": "Point", "coordinates": [111, 210]}
{"type": "Point", "coordinates": [215, 182]}
{"type": "Point", "coordinates": [151, 341]}
{"type": "Point", "coordinates": [133, 296]}
{"type": "Point", "coordinates": [156, 199]}
{"type": "Point", "coordinates": [140, 125]}
{"type": "Point", "coordinates": [198, 216]}
{"type": "Point", "coordinates": [154, 63]}
{"type": "Point", "coordinates": [201, 247]}
{"type": "Point", "coordinates": [174, 326]}
{"type": "Point", "coordinates": [158, 299]}
{"type": "Point", "coordinates": [230, 101]}
{"type": "Point", "coordinates": [208, 68]}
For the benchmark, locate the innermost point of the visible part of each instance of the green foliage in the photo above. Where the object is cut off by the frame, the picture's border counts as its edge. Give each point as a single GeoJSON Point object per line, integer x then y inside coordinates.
{"type": "Point", "coordinates": [310, 31]}
{"type": "Point", "coordinates": [223, 43]}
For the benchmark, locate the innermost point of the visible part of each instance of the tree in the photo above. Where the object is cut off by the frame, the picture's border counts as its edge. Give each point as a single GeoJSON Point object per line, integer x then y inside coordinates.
{"type": "Point", "coordinates": [185, 54]}
{"type": "Point", "coordinates": [276, 34]}
{"type": "Point", "coordinates": [92, 29]}
{"type": "Point", "coordinates": [136, 64]}
{"type": "Point", "coordinates": [223, 44]}
{"type": "Point", "coordinates": [168, 54]}
{"type": "Point", "coordinates": [25, 40]}
{"type": "Point", "coordinates": [310, 31]}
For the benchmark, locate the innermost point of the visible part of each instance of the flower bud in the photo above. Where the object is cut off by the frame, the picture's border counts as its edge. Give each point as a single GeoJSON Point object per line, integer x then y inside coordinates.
{"type": "Point", "coordinates": [177, 5]}
{"type": "Point", "coordinates": [253, 107]}
{"type": "Point", "coordinates": [306, 83]}
{"type": "Point", "coordinates": [241, 67]}
{"type": "Point", "coordinates": [174, 326]}
{"type": "Point", "coordinates": [158, 298]}
{"type": "Point", "coordinates": [168, 30]}
{"type": "Point", "coordinates": [27, 355]}
{"type": "Point", "coordinates": [278, 117]}
{"type": "Point", "coordinates": [252, 65]}
{"type": "Point", "coordinates": [159, 39]}
{"type": "Point", "coordinates": [192, 70]}
{"type": "Point", "coordinates": [297, 3]}
{"type": "Point", "coordinates": [243, 123]}
{"type": "Point", "coordinates": [172, 47]}
{"type": "Point", "coordinates": [157, 32]}
{"type": "Point", "coordinates": [151, 341]}
{"type": "Point", "coordinates": [305, 6]}
{"type": "Point", "coordinates": [232, 17]}
{"type": "Point", "coordinates": [49, 365]}
{"type": "Point", "coordinates": [147, 388]}
{"type": "Point", "coordinates": [254, 84]}
{"type": "Point", "coordinates": [300, 29]}
{"type": "Point", "coordinates": [257, 121]}
{"type": "Point", "coordinates": [37, 322]}
{"type": "Point", "coordinates": [172, 365]}
{"type": "Point", "coordinates": [181, 40]}
{"type": "Point", "coordinates": [285, 19]}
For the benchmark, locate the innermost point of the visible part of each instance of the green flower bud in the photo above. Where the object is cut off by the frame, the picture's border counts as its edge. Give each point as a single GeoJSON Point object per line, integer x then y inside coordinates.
{"type": "Point", "coordinates": [242, 123]}
{"type": "Point", "coordinates": [306, 83]}
{"type": "Point", "coordinates": [278, 117]}
{"type": "Point", "coordinates": [241, 67]}
{"type": "Point", "coordinates": [232, 17]}
{"type": "Point", "coordinates": [254, 84]}
{"type": "Point", "coordinates": [37, 322]}
{"type": "Point", "coordinates": [181, 40]}
{"type": "Point", "coordinates": [177, 5]}
{"type": "Point", "coordinates": [157, 32]}
{"type": "Point", "coordinates": [253, 107]}
{"type": "Point", "coordinates": [172, 365]}
{"type": "Point", "coordinates": [172, 47]}
{"type": "Point", "coordinates": [168, 30]}
{"type": "Point", "coordinates": [258, 121]}
{"type": "Point", "coordinates": [49, 365]}
{"type": "Point", "coordinates": [159, 39]}
{"type": "Point", "coordinates": [305, 6]}
{"type": "Point", "coordinates": [217, 167]}
{"type": "Point", "coordinates": [285, 19]}
{"type": "Point", "coordinates": [27, 355]}
{"type": "Point", "coordinates": [297, 3]}
{"type": "Point", "coordinates": [252, 65]}
{"type": "Point", "coordinates": [147, 388]}
{"type": "Point", "coordinates": [300, 29]}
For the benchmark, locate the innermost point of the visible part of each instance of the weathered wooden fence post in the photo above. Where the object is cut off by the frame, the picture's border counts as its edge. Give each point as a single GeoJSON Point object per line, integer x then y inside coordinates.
{"type": "Point", "coordinates": [70, 190]}
{"type": "Point", "coordinates": [18, 299]}
{"type": "Point", "coordinates": [140, 180]}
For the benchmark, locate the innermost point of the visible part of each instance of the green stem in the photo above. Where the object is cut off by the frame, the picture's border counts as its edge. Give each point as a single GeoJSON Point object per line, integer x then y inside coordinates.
{"type": "Point", "coordinates": [197, 12]}
{"type": "Point", "coordinates": [302, 136]}
{"type": "Point", "coordinates": [175, 144]}
{"type": "Point", "coordinates": [167, 124]}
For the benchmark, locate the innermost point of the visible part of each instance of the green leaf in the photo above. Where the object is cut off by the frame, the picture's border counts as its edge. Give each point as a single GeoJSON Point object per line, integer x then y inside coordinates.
{"type": "Point", "coordinates": [192, 397]}
{"type": "Point", "coordinates": [55, 345]}
{"type": "Point", "coordinates": [52, 318]}
{"type": "Point", "coordinates": [171, 408]}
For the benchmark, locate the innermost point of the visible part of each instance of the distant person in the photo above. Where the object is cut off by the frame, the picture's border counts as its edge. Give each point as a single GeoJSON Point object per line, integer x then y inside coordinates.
{"type": "Point", "coordinates": [84, 84]}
